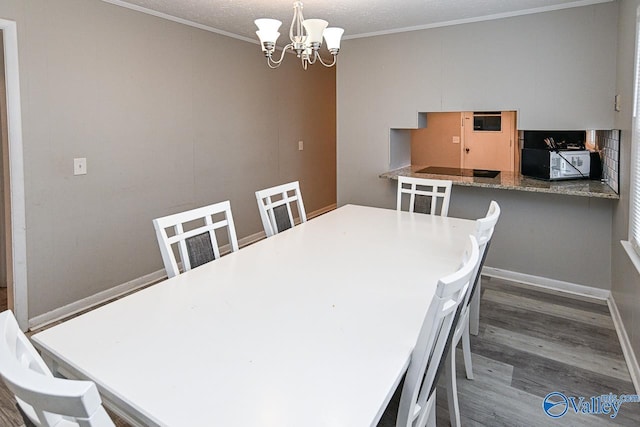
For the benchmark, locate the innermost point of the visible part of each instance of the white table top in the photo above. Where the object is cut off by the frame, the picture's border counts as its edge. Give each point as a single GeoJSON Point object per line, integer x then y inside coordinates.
{"type": "Point", "coordinates": [311, 327]}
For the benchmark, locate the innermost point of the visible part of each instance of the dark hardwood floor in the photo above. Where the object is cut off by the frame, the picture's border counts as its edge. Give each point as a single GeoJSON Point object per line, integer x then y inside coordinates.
{"type": "Point", "coordinates": [531, 342]}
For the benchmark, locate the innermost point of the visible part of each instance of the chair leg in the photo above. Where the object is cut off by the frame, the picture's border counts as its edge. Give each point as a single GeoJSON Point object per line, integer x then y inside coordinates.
{"type": "Point", "coordinates": [27, 421]}
{"type": "Point", "coordinates": [431, 420]}
{"type": "Point", "coordinates": [466, 350]}
{"type": "Point", "coordinates": [452, 388]}
{"type": "Point", "coordinates": [474, 309]}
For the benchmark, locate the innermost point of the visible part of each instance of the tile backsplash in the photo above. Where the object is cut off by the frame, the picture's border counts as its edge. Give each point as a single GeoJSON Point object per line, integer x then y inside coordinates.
{"type": "Point", "coordinates": [608, 143]}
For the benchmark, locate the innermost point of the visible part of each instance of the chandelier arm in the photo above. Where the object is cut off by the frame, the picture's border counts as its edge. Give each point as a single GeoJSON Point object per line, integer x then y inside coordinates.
{"type": "Point", "coordinates": [277, 63]}
{"type": "Point", "coordinates": [293, 23]}
{"type": "Point", "coordinates": [335, 59]}
{"type": "Point", "coordinates": [269, 63]}
{"type": "Point", "coordinates": [314, 58]}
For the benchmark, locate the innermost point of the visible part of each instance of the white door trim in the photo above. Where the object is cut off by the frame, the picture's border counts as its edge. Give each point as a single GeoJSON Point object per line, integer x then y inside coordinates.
{"type": "Point", "coordinates": [16, 174]}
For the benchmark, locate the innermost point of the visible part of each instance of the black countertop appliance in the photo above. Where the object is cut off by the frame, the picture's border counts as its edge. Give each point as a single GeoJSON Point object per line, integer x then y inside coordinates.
{"type": "Point", "coordinates": [555, 155]}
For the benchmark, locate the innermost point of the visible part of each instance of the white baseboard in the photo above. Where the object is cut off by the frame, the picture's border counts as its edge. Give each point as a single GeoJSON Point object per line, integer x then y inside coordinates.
{"type": "Point", "coordinates": [545, 282]}
{"type": "Point", "coordinates": [248, 240]}
{"type": "Point", "coordinates": [95, 299]}
{"type": "Point", "coordinates": [625, 343]}
{"type": "Point", "coordinates": [111, 293]}
{"type": "Point", "coordinates": [322, 211]}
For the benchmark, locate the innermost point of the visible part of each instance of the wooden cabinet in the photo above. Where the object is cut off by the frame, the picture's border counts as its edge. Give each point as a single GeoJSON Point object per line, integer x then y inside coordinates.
{"type": "Point", "coordinates": [490, 140]}
{"type": "Point", "coordinates": [468, 140]}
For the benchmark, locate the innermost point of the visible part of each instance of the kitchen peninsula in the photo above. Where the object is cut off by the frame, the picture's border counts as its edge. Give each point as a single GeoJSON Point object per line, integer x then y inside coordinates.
{"type": "Point", "coordinates": [515, 181]}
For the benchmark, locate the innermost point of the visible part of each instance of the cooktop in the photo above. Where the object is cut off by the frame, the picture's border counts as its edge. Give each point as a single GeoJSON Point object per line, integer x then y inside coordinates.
{"type": "Point", "coordinates": [478, 173]}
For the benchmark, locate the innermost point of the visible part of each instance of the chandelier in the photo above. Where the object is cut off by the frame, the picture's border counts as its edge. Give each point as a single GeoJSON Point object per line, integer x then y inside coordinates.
{"type": "Point", "coordinates": [305, 35]}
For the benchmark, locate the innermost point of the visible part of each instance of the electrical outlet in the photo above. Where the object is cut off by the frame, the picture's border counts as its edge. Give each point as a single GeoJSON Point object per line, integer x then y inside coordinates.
{"type": "Point", "coordinates": [80, 166]}
{"type": "Point", "coordinates": [456, 140]}
{"type": "Point", "coordinates": [300, 145]}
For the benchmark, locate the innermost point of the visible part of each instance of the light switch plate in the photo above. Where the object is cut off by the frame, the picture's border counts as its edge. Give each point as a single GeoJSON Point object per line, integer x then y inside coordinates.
{"type": "Point", "coordinates": [300, 145]}
{"type": "Point", "coordinates": [80, 166]}
{"type": "Point", "coordinates": [456, 140]}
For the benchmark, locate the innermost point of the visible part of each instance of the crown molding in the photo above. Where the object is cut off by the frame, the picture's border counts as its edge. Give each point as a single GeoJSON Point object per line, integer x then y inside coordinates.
{"type": "Point", "coordinates": [578, 3]}
{"type": "Point", "coordinates": [179, 20]}
{"type": "Point", "coordinates": [532, 11]}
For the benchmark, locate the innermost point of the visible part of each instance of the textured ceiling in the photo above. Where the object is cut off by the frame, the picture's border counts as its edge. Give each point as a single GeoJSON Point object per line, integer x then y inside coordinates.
{"type": "Point", "coordinates": [358, 17]}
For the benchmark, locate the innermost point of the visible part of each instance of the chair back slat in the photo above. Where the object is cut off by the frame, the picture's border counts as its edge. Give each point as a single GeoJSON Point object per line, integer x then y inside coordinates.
{"type": "Point", "coordinates": [425, 195]}
{"type": "Point", "coordinates": [196, 244]}
{"type": "Point", "coordinates": [275, 207]}
{"type": "Point", "coordinates": [282, 215]}
{"type": "Point", "coordinates": [200, 249]}
{"type": "Point", "coordinates": [43, 399]}
{"type": "Point", "coordinates": [419, 384]}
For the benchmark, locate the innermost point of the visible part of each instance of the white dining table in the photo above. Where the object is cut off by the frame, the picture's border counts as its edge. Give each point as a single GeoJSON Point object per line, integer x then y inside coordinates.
{"type": "Point", "coordinates": [311, 327]}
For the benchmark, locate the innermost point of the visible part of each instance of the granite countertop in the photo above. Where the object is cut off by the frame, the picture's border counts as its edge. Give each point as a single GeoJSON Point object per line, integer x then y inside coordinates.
{"type": "Point", "coordinates": [515, 181]}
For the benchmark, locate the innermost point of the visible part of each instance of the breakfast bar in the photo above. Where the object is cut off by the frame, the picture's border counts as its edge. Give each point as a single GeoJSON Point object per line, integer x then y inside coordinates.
{"type": "Point", "coordinates": [514, 181]}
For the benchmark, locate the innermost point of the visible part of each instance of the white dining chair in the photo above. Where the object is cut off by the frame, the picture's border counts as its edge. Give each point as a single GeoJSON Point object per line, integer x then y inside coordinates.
{"type": "Point", "coordinates": [425, 195]}
{"type": "Point", "coordinates": [417, 401]}
{"type": "Point", "coordinates": [277, 206]}
{"type": "Point", "coordinates": [484, 231]}
{"type": "Point", "coordinates": [485, 228]}
{"type": "Point", "coordinates": [42, 398]}
{"type": "Point", "coordinates": [194, 234]}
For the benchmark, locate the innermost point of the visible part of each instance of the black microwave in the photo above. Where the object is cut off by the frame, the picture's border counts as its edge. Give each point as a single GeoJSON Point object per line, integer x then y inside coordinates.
{"type": "Point", "coordinates": [487, 121]}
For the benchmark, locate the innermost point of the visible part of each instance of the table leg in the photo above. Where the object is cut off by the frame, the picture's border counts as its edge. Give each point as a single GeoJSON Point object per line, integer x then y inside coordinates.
{"type": "Point", "coordinates": [474, 310]}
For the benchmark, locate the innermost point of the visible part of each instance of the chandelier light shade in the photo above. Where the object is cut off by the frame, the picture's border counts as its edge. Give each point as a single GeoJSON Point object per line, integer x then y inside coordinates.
{"type": "Point", "coordinates": [268, 31]}
{"type": "Point", "coordinates": [314, 29]}
{"type": "Point", "coordinates": [332, 36]}
{"type": "Point", "coordinates": [305, 35]}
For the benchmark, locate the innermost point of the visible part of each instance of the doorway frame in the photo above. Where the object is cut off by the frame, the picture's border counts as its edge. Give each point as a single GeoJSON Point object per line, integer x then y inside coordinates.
{"type": "Point", "coordinates": [18, 227]}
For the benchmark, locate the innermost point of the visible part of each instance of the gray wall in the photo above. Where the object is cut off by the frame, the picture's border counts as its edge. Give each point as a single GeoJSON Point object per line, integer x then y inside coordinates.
{"type": "Point", "coordinates": [625, 279]}
{"type": "Point", "coordinates": [557, 69]}
{"type": "Point", "coordinates": [169, 118]}
{"type": "Point", "coordinates": [543, 234]}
